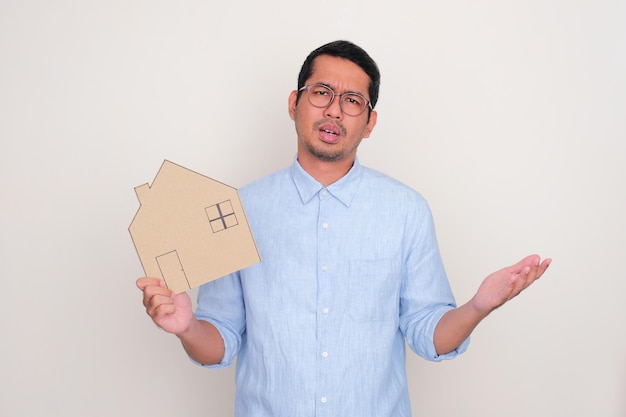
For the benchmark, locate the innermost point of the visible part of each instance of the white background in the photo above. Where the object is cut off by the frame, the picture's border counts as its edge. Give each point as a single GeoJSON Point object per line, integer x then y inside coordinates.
{"type": "Point", "coordinates": [508, 116]}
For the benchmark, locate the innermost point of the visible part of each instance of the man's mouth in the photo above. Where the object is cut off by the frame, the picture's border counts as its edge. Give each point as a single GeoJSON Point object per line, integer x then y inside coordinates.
{"type": "Point", "coordinates": [330, 132]}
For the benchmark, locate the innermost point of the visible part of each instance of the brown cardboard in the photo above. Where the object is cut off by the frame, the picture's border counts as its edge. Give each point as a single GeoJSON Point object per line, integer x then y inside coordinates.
{"type": "Point", "coordinates": [190, 229]}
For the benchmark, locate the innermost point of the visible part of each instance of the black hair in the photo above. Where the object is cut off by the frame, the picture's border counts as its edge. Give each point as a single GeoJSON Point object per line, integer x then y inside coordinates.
{"type": "Point", "coordinates": [351, 52]}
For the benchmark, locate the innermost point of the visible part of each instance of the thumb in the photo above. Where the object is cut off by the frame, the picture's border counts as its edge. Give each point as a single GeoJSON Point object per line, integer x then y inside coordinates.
{"type": "Point", "coordinates": [182, 300]}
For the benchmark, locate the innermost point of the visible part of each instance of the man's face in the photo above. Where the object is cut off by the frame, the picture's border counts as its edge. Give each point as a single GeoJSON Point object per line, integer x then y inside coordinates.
{"type": "Point", "coordinates": [327, 134]}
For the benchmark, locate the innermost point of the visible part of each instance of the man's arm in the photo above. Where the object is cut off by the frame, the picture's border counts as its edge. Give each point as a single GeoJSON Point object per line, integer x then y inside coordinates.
{"type": "Point", "coordinates": [173, 313]}
{"type": "Point", "coordinates": [456, 325]}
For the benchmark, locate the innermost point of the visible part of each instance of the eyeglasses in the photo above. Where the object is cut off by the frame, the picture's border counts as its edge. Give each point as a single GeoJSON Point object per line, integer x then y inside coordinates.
{"type": "Point", "coordinates": [352, 104]}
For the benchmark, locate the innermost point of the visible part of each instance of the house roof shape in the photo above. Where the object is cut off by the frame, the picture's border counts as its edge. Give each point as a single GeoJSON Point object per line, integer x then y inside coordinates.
{"type": "Point", "coordinates": [190, 229]}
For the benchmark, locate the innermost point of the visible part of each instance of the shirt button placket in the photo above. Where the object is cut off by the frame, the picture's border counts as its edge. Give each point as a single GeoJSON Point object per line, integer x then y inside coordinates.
{"type": "Point", "coordinates": [323, 300]}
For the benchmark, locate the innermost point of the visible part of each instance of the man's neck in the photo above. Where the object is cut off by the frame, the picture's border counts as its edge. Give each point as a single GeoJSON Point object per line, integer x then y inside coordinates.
{"type": "Point", "coordinates": [326, 172]}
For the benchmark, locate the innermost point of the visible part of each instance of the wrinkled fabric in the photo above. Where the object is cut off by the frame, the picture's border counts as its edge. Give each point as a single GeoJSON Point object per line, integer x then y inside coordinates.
{"type": "Point", "coordinates": [349, 272]}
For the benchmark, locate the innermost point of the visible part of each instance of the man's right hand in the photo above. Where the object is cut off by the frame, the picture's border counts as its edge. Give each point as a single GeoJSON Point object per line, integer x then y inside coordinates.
{"type": "Point", "coordinates": [171, 312]}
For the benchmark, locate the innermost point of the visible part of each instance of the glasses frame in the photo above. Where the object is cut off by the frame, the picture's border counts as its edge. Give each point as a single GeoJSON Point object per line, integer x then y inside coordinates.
{"type": "Point", "coordinates": [332, 98]}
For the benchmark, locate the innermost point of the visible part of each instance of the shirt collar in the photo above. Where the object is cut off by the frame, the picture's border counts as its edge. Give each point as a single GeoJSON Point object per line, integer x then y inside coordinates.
{"type": "Point", "coordinates": [342, 189]}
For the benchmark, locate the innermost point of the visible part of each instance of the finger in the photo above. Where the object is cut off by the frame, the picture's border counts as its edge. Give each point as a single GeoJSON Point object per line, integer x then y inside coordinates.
{"type": "Point", "coordinates": [521, 280]}
{"type": "Point", "coordinates": [144, 282]}
{"type": "Point", "coordinates": [542, 267]}
{"type": "Point", "coordinates": [153, 294]}
{"type": "Point", "coordinates": [156, 289]}
{"type": "Point", "coordinates": [162, 310]}
{"type": "Point", "coordinates": [530, 260]}
{"type": "Point", "coordinates": [533, 273]}
{"type": "Point", "coordinates": [157, 302]}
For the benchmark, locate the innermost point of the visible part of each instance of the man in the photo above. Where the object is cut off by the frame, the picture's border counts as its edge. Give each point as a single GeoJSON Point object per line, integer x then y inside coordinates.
{"type": "Point", "coordinates": [351, 270]}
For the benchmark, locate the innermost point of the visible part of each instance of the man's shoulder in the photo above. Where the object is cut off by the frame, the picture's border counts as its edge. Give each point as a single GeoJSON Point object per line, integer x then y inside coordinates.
{"type": "Point", "coordinates": [265, 183]}
{"type": "Point", "coordinates": [382, 182]}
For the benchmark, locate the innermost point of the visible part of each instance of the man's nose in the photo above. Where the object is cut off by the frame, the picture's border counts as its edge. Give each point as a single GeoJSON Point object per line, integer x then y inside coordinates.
{"type": "Point", "coordinates": [333, 110]}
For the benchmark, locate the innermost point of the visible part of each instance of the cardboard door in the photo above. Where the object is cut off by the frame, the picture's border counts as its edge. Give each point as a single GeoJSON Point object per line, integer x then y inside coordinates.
{"type": "Point", "coordinates": [172, 271]}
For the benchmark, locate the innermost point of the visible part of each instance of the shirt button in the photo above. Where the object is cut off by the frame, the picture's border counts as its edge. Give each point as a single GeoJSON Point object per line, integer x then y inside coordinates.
{"type": "Point", "coordinates": [324, 354]}
{"type": "Point", "coordinates": [324, 267]}
{"type": "Point", "coordinates": [325, 310]}
{"type": "Point", "coordinates": [323, 399]}
{"type": "Point", "coordinates": [324, 192]}
{"type": "Point", "coordinates": [325, 225]}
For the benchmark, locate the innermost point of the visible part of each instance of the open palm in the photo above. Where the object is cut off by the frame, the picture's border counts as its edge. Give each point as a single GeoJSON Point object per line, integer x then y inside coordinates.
{"type": "Point", "coordinates": [503, 285]}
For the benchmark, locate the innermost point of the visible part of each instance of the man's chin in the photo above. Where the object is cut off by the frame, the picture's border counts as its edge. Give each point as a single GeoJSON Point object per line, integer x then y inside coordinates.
{"type": "Point", "coordinates": [324, 155]}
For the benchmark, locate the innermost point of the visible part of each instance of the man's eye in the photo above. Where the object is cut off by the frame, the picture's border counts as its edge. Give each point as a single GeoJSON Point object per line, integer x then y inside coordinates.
{"type": "Point", "coordinates": [353, 100]}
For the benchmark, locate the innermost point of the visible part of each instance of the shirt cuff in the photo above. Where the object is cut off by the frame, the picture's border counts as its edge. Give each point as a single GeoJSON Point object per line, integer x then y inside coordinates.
{"type": "Point", "coordinates": [229, 354]}
{"type": "Point", "coordinates": [453, 354]}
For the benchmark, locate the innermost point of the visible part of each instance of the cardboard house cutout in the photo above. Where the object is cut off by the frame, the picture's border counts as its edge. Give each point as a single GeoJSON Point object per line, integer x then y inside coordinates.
{"type": "Point", "coordinates": [190, 229]}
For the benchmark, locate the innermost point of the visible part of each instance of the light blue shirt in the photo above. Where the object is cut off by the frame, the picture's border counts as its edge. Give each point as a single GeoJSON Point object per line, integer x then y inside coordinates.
{"type": "Point", "coordinates": [348, 273]}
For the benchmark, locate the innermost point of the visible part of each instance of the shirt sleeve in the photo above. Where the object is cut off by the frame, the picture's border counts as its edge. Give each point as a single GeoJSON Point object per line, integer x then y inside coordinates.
{"type": "Point", "coordinates": [220, 303]}
{"type": "Point", "coordinates": [425, 294]}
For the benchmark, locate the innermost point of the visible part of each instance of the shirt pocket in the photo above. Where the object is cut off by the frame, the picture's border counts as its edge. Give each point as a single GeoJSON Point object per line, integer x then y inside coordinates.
{"type": "Point", "coordinates": [374, 290]}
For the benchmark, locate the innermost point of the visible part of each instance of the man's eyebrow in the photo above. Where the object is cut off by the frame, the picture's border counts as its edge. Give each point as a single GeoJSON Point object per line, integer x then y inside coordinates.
{"type": "Point", "coordinates": [335, 90]}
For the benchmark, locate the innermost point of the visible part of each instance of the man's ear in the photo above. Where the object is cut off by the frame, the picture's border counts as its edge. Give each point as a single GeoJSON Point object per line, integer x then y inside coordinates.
{"type": "Point", "coordinates": [370, 124]}
{"type": "Point", "coordinates": [293, 97]}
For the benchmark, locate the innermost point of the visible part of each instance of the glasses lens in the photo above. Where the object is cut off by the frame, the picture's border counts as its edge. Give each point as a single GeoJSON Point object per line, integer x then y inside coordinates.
{"type": "Point", "coordinates": [320, 96]}
{"type": "Point", "coordinates": [353, 104]}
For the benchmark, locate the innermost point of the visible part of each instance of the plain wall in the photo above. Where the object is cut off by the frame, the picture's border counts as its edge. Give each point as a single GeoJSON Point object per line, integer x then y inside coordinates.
{"type": "Point", "coordinates": [508, 116]}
